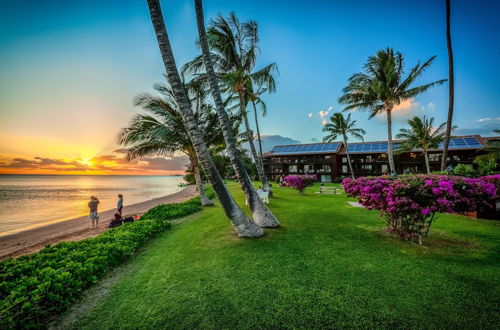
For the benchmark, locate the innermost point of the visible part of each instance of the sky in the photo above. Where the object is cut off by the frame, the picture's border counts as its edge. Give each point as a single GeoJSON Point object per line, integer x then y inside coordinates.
{"type": "Point", "coordinates": [69, 71]}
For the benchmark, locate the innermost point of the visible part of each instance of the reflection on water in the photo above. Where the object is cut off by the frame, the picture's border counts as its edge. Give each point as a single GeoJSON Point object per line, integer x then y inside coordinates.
{"type": "Point", "coordinates": [26, 200]}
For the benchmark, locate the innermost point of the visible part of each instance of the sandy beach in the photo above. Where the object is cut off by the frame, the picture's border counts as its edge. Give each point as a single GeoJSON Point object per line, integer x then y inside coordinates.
{"type": "Point", "coordinates": [32, 240]}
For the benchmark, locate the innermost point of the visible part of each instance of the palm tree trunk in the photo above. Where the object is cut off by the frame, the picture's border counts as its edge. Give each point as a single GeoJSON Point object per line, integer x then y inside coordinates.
{"type": "Point", "coordinates": [195, 168]}
{"type": "Point", "coordinates": [258, 164]}
{"type": "Point", "coordinates": [348, 158]}
{"type": "Point", "coordinates": [261, 214]}
{"type": "Point", "coordinates": [427, 166]}
{"type": "Point", "coordinates": [451, 90]}
{"type": "Point", "coordinates": [389, 140]}
{"type": "Point", "coordinates": [258, 130]}
{"type": "Point", "coordinates": [243, 225]}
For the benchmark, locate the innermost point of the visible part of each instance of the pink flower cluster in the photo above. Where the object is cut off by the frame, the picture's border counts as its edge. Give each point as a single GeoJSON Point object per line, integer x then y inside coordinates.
{"type": "Point", "coordinates": [299, 182]}
{"type": "Point", "coordinates": [409, 203]}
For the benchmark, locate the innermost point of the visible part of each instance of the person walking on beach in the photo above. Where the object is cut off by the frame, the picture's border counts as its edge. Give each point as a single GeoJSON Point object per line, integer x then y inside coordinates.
{"type": "Point", "coordinates": [93, 215]}
{"type": "Point", "coordinates": [119, 205]}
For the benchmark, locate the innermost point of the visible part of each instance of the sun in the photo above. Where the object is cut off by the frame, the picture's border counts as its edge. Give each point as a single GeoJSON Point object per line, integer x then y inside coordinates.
{"type": "Point", "coordinates": [86, 161]}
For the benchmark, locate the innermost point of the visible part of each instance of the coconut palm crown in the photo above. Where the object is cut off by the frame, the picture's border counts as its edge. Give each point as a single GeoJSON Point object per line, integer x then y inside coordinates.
{"type": "Point", "coordinates": [382, 85]}
{"type": "Point", "coordinates": [341, 127]}
{"type": "Point", "coordinates": [423, 135]}
{"type": "Point", "coordinates": [234, 49]}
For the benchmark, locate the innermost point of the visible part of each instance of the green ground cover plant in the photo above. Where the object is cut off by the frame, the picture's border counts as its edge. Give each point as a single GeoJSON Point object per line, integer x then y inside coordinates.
{"type": "Point", "coordinates": [330, 265]}
{"type": "Point", "coordinates": [36, 287]}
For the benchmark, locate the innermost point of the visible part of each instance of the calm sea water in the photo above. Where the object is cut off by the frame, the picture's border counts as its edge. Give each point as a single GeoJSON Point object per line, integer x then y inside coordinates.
{"type": "Point", "coordinates": [31, 200]}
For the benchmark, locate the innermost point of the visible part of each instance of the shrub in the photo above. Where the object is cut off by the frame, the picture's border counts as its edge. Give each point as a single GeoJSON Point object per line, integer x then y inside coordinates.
{"type": "Point", "coordinates": [410, 203]}
{"type": "Point", "coordinates": [36, 287]}
{"type": "Point", "coordinates": [299, 182]}
{"type": "Point", "coordinates": [464, 170]}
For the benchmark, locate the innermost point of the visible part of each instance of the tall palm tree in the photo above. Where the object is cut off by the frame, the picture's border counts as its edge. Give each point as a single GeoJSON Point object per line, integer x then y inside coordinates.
{"type": "Point", "coordinates": [451, 89]}
{"type": "Point", "coordinates": [256, 100]}
{"type": "Point", "coordinates": [421, 135]}
{"type": "Point", "coordinates": [243, 225]}
{"type": "Point", "coordinates": [341, 126]}
{"type": "Point", "coordinates": [381, 86]}
{"type": "Point", "coordinates": [261, 214]}
{"type": "Point", "coordinates": [161, 131]}
{"type": "Point", "coordinates": [233, 50]}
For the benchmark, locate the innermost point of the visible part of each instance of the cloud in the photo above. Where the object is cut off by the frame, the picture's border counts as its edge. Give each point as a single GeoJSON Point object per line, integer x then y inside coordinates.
{"type": "Point", "coordinates": [310, 115]}
{"type": "Point", "coordinates": [408, 109]}
{"type": "Point", "coordinates": [324, 122]}
{"type": "Point", "coordinates": [102, 164]}
{"type": "Point", "coordinates": [482, 126]}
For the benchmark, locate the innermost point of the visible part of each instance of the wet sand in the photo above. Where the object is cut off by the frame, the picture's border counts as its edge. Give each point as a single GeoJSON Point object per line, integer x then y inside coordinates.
{"type": "Point", "coordinates": [75, 229]}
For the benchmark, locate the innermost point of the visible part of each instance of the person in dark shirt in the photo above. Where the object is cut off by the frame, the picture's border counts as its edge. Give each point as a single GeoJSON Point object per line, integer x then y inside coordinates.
{"type": "Point", "coordinates": [93, 214]}
{"type": "Point", "coordinates": [116, 221]}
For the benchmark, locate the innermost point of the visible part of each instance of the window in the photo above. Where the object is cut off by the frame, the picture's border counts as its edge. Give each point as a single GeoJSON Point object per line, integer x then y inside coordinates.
{"type": "Point", "coordinates": [344, 159]}
{"type": "Point", "coordinates": [367, 167]}
{"type": "Point", "coordinates": [292, 168]}
{"type": "Point", "coordinates": [308, 169]}
{"type": "Point", "coordinates": [434, 157]}
{"type": "Point", "coordinates": [344, 169]}
{"type": "Point", "coordinates": [385, 168]}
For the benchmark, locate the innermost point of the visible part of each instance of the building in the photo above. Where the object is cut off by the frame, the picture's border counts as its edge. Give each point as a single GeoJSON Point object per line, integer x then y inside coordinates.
{"type": "Point", "coordinates": [328, 161]}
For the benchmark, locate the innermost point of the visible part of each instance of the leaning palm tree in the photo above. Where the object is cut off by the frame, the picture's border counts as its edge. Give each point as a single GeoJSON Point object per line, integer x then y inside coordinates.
{"type": "Point", "coordinates": [381, 86]}
{"type": "Point", "coordinates": [233, 50]}
{"type": "Point", "coordinates": [421, 135]}
{"type": "Point", "coordinates": [261, 214]}
{"type": "Point", "coordinates": [243, 225]}
{"type": "Point", "coordinates": [451, 89]}
{"type": "Point", "coordinates": [341, 126]}
{"type": "Point", "coordinates": [161, 131]}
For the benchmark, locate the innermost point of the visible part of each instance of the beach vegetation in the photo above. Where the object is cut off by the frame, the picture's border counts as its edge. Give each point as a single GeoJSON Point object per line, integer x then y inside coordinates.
{"type": "Point", "coordinates": [381, 86]}
{"type": "Point", "coordinates": [341, 127]}
{"type": "Point", "coordinates": [36, 287]}
{"type": "Point", "coordinates": [260, 212]}
{"type": "Point", "coordinates": [242, 224]}
{"type": "Point", "coordinates": [422, 135]}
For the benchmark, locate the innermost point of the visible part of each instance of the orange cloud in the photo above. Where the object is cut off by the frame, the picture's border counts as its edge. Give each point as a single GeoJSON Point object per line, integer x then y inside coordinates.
{"type": "Point", "coordinates": [104, 165]}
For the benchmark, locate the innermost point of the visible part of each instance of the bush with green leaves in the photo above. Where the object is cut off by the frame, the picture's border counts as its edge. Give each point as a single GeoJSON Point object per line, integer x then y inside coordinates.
{"type": "Point", "coordinates": [36, 287]}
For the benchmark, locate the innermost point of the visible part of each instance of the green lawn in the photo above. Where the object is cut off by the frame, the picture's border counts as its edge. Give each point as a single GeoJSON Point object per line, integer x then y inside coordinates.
{"type": "Point", "coordinates": [329, 265]}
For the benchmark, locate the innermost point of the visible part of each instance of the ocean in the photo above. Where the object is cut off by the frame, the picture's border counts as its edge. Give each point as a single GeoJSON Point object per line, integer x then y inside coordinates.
{"type": "Point", "coordinates": [28, 201]}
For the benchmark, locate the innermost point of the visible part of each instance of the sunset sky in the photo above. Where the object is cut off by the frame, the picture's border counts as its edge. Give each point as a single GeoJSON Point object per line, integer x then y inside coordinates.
{"type": "Point", "coordinates": [70, 69]}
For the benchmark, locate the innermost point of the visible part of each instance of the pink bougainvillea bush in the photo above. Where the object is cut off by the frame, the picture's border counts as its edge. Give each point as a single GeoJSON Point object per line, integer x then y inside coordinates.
{"type": "Point", "coordinates": [410, 203]}
{"type": "Point", "coordinates": [299, 182]}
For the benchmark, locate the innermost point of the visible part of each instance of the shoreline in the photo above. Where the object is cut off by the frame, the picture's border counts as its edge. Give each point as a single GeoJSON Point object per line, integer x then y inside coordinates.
{"type": "Point", "coordinates": [74, 229]}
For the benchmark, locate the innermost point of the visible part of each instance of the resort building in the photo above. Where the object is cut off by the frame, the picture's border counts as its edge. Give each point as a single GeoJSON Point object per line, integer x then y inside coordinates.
{"type": "Point", "coordinates": [328, 161]}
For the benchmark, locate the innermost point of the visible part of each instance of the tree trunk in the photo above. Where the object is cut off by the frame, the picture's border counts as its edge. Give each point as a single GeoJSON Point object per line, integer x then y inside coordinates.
{"type": "Point", "coordinates": [390, 152]}
{"type": "Point", "coordinates": [205, 201]}
{"type": "Point", "coordinates": [258, 130]}
{"type": "Point", "coordinates": [258, 164]}
{"type": "Point", "coordinates": [261, 214]}
{"type": "Point", "coordinates": [451, 90]}
{"type": "Point", "coordinates": [243, 225]}
{"type": "Point", "coordinates": [427, 166]}
{"type": "Point", "coordinates": [348, 158]}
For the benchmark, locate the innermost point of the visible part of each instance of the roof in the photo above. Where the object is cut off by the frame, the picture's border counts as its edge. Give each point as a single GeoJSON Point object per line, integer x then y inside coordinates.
{"type": "Point", "coordinates": [456, 143]}
{"type": "Point", "coordinates": [303, 149]}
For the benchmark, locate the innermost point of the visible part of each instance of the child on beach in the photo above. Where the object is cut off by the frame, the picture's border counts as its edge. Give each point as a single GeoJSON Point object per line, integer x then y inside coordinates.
{"type": "Point", "coordinates": [119, 205]}
{"type": "Point", "coordinates": [93, 215]}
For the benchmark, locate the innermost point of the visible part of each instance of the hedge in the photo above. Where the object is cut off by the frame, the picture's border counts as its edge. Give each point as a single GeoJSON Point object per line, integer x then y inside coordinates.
{"type": "Point", "coordinates": [36, 287]}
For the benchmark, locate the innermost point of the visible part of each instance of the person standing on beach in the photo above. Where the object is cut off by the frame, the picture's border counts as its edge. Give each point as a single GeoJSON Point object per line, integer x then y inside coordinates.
{"type": "Point", "coordinates": [93, 215]}
{"type": "Point", "coordinates": [119, 205]}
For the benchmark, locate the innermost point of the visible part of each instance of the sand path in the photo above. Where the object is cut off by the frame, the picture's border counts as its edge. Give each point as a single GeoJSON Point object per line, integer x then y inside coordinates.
{"type": "Point", "coordinates": [75, 229]}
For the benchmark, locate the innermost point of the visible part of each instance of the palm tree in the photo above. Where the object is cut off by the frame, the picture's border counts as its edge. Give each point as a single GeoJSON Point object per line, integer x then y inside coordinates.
{"type": "Point", "coordinates": [243, 225]}
{"type": "Point", "coordinates": [233, 51]}
{"type": "Point", "coordinates": [261, 214]}
{"type": "Point", "coordinates": [381, 86]}
{"type": "Point", "coordinates": [421, 135]}
{"type": "Point", "coordinates": [341, 126]}
{"type": "Point", "coordinates": [162, 132]}
{"type": "Point", "coordinates": [451, 89]}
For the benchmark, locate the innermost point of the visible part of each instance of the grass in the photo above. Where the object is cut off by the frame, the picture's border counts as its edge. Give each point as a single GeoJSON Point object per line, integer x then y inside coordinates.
{"type": "Point", "coordinates": [330, 265]}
